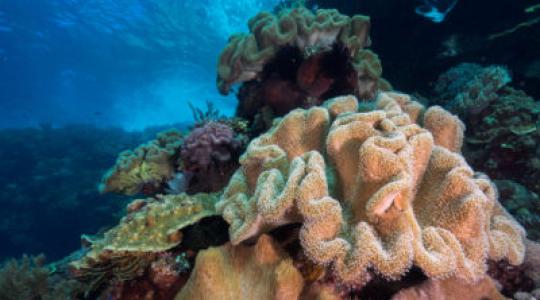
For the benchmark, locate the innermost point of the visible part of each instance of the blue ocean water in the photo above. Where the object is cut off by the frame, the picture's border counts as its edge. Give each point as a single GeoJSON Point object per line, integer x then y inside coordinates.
{"type": "Point", "coordinates": [128, 63]}
{"type": "Point", "coordinates": [111, 67]}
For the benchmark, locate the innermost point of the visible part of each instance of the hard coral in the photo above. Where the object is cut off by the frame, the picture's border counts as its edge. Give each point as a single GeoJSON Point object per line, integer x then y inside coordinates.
{"type": "Point", "coordinates": [372, 190]}
{"type": "Point", "coordinates": [469, 88]}
{"type": "Point", "coordinates": [260, 272]}
{"type": "Point", "coordinates": [502, 138]}
{"type": "Point", "coordinates": [145, 169]}
{"type": "Point", "coordinates": [522, 204]}
{"type": "Point", "coordinates": [152, 227]}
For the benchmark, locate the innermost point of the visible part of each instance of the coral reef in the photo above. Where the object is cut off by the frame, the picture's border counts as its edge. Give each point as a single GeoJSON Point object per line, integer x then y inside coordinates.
{"type": "Point", "coordinates": [246, 54]}
{"type": "Point", "coordinates": [519, 282]}
{"type": "Point", "coordinates": [48, 179]}
{"type": "Point", "coordinates": [202, 161]}
{"type": "Point", "coordinates": [523, 204]}
{"type": "Point", "coordinates": [502, 133]}
{"type": "Point", "coordinates": [30, 278]}
{"type": "Point", "coordinates": [298, 58]}
{"type": "Point", "coordinates": [145, 169]}
{"type": "Point", "coordinates": [208, 146]}
{"type": "Point", "coordinates": [450, 289]}
{"type": "Point", "coordinates": [468, 88]}
{"type": "Point", "coordinates": [154, 224]}
{"type": "Point", "coordinates": [502, 138]}
{"type": "Point", "coordinates": [511, 279]}
{"type": "Point", "coordinates": [263, 271]}
{"type": "Point", "coordinates": [210, 153]}
{"type": "Point", "coordinates": [372, 190]}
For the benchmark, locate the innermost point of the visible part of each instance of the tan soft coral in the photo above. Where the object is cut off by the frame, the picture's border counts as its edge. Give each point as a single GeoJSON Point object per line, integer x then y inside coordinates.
{"type": "Point", "coordinates": [246, 54]}
{"type": "Point", "coordinates": [260, 272]}
{"type": "Point", "coordinates": [145, 169]}
{"type": "Point", "coordinates": [373, 190]}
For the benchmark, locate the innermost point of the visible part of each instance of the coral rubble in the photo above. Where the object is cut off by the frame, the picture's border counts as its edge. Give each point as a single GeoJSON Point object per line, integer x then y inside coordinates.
{"type": "Point", "coordinates": [372, 190]}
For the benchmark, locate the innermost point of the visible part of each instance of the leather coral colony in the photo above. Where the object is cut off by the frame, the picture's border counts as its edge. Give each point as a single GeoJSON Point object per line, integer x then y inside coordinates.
{"type": "Point", "coordinates": [373, 190]}
{"type": "Point", "coordinates": [299, 58]}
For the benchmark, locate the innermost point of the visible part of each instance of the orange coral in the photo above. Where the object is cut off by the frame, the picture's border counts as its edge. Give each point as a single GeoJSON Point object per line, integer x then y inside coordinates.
{"type": "Point", "coordinates": [373, 190]}
{"type": "Point", "coordinates": [229, 273]}
{"type": "Point", "coordinates": [450, 289]}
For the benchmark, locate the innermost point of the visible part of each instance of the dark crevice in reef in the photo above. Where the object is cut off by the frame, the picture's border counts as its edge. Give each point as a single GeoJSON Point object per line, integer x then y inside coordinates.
{"type": "Point", "coordinates": [209, 232]}
{"type": "Point", "coordinates": [295, 79]}
{"type": "Point", "coordinates": [380, 288]}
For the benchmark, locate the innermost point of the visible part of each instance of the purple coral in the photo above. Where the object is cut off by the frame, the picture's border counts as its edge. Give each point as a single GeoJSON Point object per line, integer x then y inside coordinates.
{"type": "Point", "coordinates": [211, 144]}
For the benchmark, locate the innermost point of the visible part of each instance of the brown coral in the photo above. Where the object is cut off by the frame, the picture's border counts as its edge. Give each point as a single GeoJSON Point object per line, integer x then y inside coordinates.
{"type": "Point", "coordinates": [260, 272]}
{"type": "Point", "coordinates": [246, 54]}
{"type": "Point", "coordinates": [145, 169]}
{"type": "Point", "coordinates": [372, 190]}
{"type": "Point", "coordinates": [299, 58]}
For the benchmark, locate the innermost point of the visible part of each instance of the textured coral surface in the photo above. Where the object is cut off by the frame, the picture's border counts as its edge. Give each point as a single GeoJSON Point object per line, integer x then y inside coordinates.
{"type": "Point", "coordinates": [373, 190]}
{"type": "Point", "coordinates": [146, 168]}
{"type": "Point", "coordinates": [246, 54]}
{"type": "Point", "coordinates": [451, 289]}
{"type": "Point", "coordinates": [153, 225]}
{"type": "Point", "coordinates": [260, 272]}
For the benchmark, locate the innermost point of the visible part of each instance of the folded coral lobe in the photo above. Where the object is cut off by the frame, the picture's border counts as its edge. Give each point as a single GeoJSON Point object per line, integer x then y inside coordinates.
{"type": "Point", "coordinates": [373, 191]}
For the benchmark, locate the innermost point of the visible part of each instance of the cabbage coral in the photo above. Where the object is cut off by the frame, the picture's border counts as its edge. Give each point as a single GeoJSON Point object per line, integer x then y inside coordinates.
{"type": "Point", "coordinates": [373, 191]}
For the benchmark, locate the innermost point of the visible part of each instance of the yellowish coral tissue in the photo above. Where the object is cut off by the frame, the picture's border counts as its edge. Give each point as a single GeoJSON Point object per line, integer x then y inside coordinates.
{"type": "Point", "coordinates": [373, 190]}
{"type": "Point", "coordinates": [154, 226]}
{"type": "Point", "coordinates": [148, 166]}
